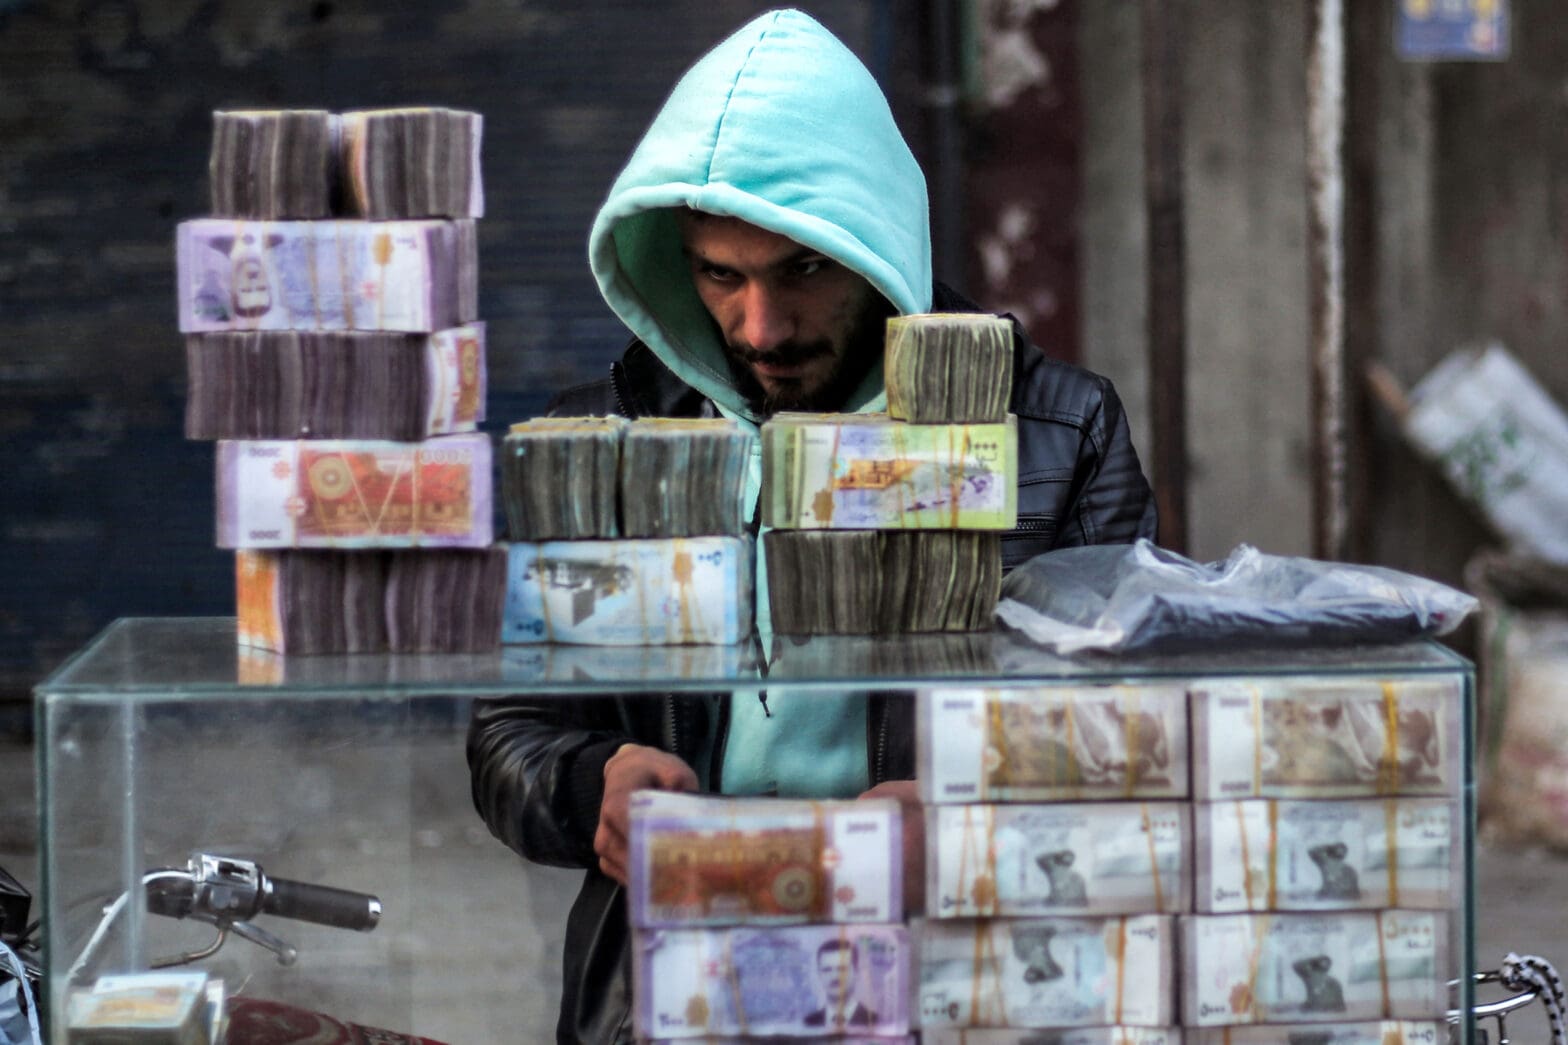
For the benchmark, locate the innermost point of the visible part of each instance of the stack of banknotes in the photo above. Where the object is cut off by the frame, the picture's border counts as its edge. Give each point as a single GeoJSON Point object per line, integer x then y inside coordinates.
{"type": "Point", "coordinates": [1298, 841]}
{"type": "Point", "coordinates": [1058, 853]}
{"type": "Point", "coordinates": [627, 532]}
{"type": "Point", "coordinates": [334, 351]}
{"type": "Point", "coordinates": [380, 164]}
{"type": "Point", "coordinates": [758, 918]}
{"type": "Point", "coordinates": [940, 469]}
{"type": "Point", "coordinates": [1328, 854]}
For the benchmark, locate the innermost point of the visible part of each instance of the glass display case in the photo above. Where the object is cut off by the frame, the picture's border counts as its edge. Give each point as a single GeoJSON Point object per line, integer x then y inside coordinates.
{"type": "Point", "coordinates": [163, 739]}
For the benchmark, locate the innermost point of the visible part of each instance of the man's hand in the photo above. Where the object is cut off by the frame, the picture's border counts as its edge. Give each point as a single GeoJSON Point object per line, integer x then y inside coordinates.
{"type": "Point", "coordinates": [633, 767]}
{"type": "Point", "coordinates": [914, 830]}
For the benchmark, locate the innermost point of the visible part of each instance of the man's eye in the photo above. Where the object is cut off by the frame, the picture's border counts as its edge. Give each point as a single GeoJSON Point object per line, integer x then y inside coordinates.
{"type": "Point", "coordinates": [717, 273]}
{"type": "Point", "coordinates": [807, 267]}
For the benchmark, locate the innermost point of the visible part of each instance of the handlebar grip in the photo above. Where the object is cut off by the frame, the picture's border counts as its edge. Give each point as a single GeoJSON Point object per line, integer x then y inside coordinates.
{"type": "Point", "coordinates": [322, 904]}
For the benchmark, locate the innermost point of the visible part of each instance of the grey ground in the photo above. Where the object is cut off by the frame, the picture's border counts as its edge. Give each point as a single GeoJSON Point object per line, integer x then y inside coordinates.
{"type": "Point", "coordinates": [376, 798]}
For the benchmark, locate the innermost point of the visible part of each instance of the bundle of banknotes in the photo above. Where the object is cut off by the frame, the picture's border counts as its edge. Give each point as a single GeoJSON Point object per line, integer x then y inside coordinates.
{"type": "Point", "coordinates": [1343, 966]}
{"type": "Point", "coordinates": [380, 164]}
{"type": "Point", "coordinates": [861, 582]}
{"type": "Point", "coordinates": [946, 367]}
{"type": "Point", "coordinates": [801, 981]}
{"type": "Point", "coordinates": [630, 592]}
{"type": "Point", "coordinates": [1057, 1036]}
{"type": "Point", "coordinates": [698, 860]}
{"type": "Point", "coordinates": [1380, 1032]}
{"type": "Point", "coordinates": [601, 477]}
{"type": "Point", "coordinates": [870, 472]}
{"type": "Point", "coordinates": [411, 276]}
{"type": "Point", "coordinates": [1057, 743]}
{"type": "Point", "coordinates": [354, 493]}
{"type": "Point", "coordinates": [341, 366]}
{"type": "Point", "coordinates": [296, 384]}
{"type": "Point", "coordinates": [1280, 855]}
{"type": "Point", "coordinates": [173, 1006]}
{"type": "Point", "coordinates": [1326, 738]}
{"type": "Point", "coordinates": [310, 602]}
{"type": "Point", "coordinates": [1090, 858]}
{"type": "Point", "coordinates": [1048, 972]}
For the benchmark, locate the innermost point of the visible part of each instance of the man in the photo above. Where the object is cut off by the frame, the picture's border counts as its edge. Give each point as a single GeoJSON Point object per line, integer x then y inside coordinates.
{"type": "Point", "coordinates": [769, 221]}
{"type": "Point", "coordinates": [837, 965]}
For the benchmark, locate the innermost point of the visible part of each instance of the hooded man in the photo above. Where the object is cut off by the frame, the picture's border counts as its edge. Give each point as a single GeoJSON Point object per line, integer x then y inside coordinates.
{"type": "Point", "coordinates": [768, 223]}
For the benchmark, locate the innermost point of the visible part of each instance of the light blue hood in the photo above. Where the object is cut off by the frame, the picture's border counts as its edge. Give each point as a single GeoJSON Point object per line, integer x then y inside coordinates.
{"type": "Point", "coordinates": [781, 126]}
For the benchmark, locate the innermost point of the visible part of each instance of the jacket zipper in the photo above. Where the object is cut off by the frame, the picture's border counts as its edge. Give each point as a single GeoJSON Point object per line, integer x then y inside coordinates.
{"type": "Point", "coordinates": [616, 379]}
{"type": "Point", "coordinates": [1026, 525]}
{"type": "Point", "coordinates": [877, 770]}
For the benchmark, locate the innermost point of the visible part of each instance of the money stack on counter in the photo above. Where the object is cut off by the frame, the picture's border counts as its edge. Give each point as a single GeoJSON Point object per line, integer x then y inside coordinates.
{"type": "Point", "coordinates": [764, 918]}
{"type": "Point", "coordinates": [1329, 854]}
{"type": "Point", "coordinates": [1057, 854]}
{"type": "Point", "coordinates": [887, 523]}
{"type": "Point", "coordinates": [329, 306]}
{"type": "Point", "coordinates": [626, 532]}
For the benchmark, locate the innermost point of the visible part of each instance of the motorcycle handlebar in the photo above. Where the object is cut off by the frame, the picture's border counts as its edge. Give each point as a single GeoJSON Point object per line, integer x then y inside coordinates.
{"type": "Point", "coordinates": [322, 904]}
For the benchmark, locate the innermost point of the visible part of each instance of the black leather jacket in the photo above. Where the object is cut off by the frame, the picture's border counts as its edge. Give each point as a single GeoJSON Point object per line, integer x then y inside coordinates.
{"type": "Point", "coordinates": [537, 765]}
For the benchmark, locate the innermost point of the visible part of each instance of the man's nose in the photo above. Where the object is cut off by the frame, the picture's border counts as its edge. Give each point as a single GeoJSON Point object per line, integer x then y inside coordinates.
{"type": "Point", "coordinates": [767, 322]}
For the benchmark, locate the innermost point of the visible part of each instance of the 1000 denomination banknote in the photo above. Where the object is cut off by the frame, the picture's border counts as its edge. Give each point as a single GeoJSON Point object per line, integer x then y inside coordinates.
{"type": "Point", "coordinates": [1075, 1036]}
{"type": "Point", "coordinates": [352, 493]}
{"type": "Point", "coordinates": [414, 276]}
{"type": "Point", "coordinates": [1280, 855]}
{"type": "Point", "coordinates": [868, 472]}
{"type": "Point", "coordinates": [1383, 1032]}
{"type": "Point", "coordinates": [790, 981]}
{"type": "Point", "coordinates": [1052, 743]}
{"type": "Point", "coordinates": [703, 860]}
{"type": "Point", "coordinates": [630, 592]}
{"type": "Point", "coordinates": [1047, 972]}
{"type": "Point", "coordinates": [1072, 858]}
{"type": "Point", "coordinates": [1299, 968]}
{"type": "Point", "coordinates": [1326, 737]}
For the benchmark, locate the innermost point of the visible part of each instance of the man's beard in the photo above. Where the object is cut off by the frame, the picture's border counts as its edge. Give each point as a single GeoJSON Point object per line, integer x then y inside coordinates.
{"type": "Point", "coordinates": [861, 352]}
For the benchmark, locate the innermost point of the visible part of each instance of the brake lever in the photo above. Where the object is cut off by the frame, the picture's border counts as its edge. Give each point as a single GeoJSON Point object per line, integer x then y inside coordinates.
{"type": "Point", "coordinates": [281, 949]}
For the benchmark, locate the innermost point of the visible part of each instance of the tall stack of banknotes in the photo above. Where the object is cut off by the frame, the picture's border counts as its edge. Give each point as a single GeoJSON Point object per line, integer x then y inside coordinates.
{"type": "Point", "coordinates": [1301, 853]}
{"type": "Point", "coordinates": [329, 306]}
{"type": "Point", "coordinates": [884, 523]}
{"type": "Point", "coordinates": [767, 918]}
{"type": "Point", "coordinates": [627, 532]}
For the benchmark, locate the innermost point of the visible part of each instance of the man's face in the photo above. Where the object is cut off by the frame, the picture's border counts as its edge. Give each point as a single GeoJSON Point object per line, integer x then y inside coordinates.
{"type": "Point", "coordinates": [799, 329]}
{"type": "Point", "coordinates": [836, 973]}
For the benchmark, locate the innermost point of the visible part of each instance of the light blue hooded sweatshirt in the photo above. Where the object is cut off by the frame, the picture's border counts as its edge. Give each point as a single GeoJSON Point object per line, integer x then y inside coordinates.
{"type": "Point", "coordinates": [781, 126]}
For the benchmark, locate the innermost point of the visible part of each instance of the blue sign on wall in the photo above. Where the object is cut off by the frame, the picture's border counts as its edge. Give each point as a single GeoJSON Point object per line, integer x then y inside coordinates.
{"type": "Point", "coordinates": [1452, 30]}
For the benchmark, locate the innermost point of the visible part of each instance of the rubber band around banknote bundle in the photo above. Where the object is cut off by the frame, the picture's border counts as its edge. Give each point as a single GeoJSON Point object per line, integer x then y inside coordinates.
{"type": "Point", "coordinates": [1388, 771]}
{"type": "Point", "coordinates": [1391, 848]}
{"type": "Point", "coordinates": [1154, 860]}
{"type": "Point", "coordinates": [1121, 961]}
{"type": "Point", "coordinates": [1382, 967]}
{"type": "Point", "coordinates": [1273, 855]}
{"type": "Point", "coordinates": [1257, 738]}
{"type": "Point", "coordinates": [985, 949]}
{"type": "Point", "coordinates": [1260, 924]}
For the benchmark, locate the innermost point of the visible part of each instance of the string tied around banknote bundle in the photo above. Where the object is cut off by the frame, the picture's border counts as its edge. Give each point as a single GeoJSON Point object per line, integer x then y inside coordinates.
{"type": "Point", "coordinates": [1527, 972]}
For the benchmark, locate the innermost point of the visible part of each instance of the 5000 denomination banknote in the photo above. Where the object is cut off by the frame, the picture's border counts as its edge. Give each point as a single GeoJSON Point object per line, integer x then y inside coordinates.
{"type": "Point", "coordinates": [351, 493]}
{"type": "Point", "coordinates": [1073, 858]}
{"type": "Point", "coordinates": [1279, 855]}
{"type": "Point", "coordinates": [1047, 972]}
{"type": "Point", "coordinates": [1052, 743]}
{"type": "Point", "coordinates": [1297, 968]}
{"type": "Point", "coordinates": [703, 860]}
{"type": "Point", "coordinates": [1326, 737]}
{"type": "Point", "coordinates": [415, 276]}
{"type": "Point", "coordinates": [795, 981]}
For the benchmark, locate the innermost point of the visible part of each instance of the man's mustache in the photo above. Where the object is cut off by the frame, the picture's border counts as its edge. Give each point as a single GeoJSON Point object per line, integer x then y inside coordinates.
{"type": "Point", "coordinates": [789, 353]}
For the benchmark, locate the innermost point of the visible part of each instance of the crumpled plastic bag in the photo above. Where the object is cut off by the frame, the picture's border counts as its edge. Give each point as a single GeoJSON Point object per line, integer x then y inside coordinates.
{"type": "Point", "coordinates": [1119, 598]}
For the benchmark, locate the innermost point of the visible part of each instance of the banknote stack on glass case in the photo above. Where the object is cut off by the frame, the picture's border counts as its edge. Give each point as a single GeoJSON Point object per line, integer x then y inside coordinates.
{"type": "Point", "coordinates": [882, 523]}
{"type": "Point", "coordinates": [329, 304]}
{"type": "Point", "coordinates": [1329, 857]}
{"type": "Point", "coordinates": [1058, 857]}
{"type": "Point", "coordinates": [627, 532]}
{"type": "Point", "coordinates": [761, 918]}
